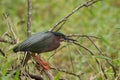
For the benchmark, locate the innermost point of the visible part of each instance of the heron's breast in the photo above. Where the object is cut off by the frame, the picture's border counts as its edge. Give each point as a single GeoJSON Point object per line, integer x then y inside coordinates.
{"type": "Point", "coordinates": [55, 43]}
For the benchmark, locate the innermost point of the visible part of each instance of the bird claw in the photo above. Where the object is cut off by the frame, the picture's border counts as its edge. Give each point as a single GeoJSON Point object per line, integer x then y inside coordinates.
{"type": "Point", "coordinates": [45, 65]}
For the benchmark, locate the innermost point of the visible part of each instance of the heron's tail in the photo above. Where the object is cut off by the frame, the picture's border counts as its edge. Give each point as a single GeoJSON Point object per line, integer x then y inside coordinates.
{"type": "Point", "coordinates": [16, 49]}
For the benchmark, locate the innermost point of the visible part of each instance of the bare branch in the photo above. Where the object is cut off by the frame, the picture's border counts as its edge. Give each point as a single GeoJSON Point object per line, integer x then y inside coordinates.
{"type": "Point", "coordinates": [82, 35]}
{"type": "Point", "coordinates": [27, 55]}
{"type": "Point", "coordinates": [70, 73]}
{"type": "Point", "coordinates": [29, 19]}
{"type": "Point", "coordinates": [6, 41]}
{"type": "Point", "coordinates": [10, 25]}
{"type": "Point", "coordinates": [2, 52]}
{"type": "Point", "coordinates": [97, 61]}
{"type": "Point", "coordinates": [113, 68]}
{"type": "Point", "coordinates": [86, 4]}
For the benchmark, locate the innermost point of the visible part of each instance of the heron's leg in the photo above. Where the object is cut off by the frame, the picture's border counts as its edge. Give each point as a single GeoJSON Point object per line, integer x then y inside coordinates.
{"type": "Point", "coordinates": [42, 63]}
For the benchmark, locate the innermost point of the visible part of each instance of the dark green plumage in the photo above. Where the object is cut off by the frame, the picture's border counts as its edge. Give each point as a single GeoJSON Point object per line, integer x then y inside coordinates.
{"type": "Point", "coordinates": [40, 42]}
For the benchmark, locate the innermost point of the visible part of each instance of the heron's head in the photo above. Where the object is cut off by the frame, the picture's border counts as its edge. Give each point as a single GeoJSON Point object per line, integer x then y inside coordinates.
{"type": "Point", "coordinates": [63, 37]}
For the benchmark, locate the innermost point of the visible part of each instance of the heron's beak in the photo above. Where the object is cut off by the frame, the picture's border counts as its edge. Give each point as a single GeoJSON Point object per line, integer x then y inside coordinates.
{"type": "Point", "coordinates": [66, 39]}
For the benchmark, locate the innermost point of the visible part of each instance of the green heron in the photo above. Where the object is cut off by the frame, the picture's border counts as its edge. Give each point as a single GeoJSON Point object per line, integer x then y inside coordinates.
{"type": "Point", "coordinates": [41, 42]}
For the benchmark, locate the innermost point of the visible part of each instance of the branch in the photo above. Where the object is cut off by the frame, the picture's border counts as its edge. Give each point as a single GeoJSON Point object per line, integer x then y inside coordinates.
{"type": "Point", "coordinates": [82, 35]}
{"type": "Point", "coordinates": [29, 19]}
{"type": "Point", "coordinates": [70, 73]}
{"type": "Point", "coordinates": [97, 61]}
{"type": "Point", "coordinates": [33, 76]}
{"type": "Point", "coordinates": [86, 4]}
{"type": "Point", "coordinates": [2, 52]}
{"type": "Point", "coordinates": [6, 41]}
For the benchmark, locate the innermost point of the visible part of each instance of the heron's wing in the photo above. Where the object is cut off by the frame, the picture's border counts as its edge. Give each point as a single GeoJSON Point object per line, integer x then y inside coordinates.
{"type": "Point", "coordinates": [39, 40]}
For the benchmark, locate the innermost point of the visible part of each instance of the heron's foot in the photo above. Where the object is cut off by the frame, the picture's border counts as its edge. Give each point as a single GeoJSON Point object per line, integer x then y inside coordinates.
{"type": "Point", "coordinates": [41, 63]}
{"type": "Point", "coordinates": [45, 65]}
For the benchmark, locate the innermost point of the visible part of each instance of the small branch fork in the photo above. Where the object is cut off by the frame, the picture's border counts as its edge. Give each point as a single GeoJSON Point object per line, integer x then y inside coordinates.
{"type": "Point", "coordinates": [86, 4]}
{"type": "Point", "coordinates": [11, 36]}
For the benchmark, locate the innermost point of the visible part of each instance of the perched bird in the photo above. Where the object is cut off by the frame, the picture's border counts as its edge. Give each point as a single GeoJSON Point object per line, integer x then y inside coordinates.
{"type": "Point", "coordinates": [41, 42]}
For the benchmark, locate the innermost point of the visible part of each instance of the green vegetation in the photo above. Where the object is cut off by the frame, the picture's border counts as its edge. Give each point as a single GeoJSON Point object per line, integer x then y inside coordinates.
{"type": "Point", "coordinates": [101, 20]}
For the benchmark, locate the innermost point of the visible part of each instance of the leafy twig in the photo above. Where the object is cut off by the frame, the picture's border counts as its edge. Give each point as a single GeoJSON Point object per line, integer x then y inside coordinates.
{"type": "Point", "coordinates": [2, 52]}
{"type": "Point", "coordinates": [29, 19]}
{"type": "Point", "coordinates": [27, 55]}
{"type": "Point", "coordinates": [40, 68]}
{"type": "Point", "coordinates": [102, 69]}
{"type": "Point", "coordinates": [114, 70]}
{"type": "Point", "coordinates": [10, 25]}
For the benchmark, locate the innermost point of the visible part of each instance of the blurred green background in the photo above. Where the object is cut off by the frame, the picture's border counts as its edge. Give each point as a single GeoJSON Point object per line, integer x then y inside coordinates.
{"type": "Point", "coordinates": [101, 19]}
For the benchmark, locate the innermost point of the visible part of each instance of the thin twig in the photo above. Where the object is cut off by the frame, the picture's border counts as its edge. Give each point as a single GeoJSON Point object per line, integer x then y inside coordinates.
{"type": "Point", "coordinates": [10, 25]}
{"type": "Point", "coordinates": [56, 52]}
{"type": "Point", "coordinates": [70, 73]}
{"type": "Point", "coordinates": [36, 77]}
{"type": "Point", "coordinates": [2, 52]}
{"type": "Point", "coordinates": [86, 4]}
{"type": "Point", "coordinates": [113, 68]}
{"type": "Point", "coordinates": [61, 25]}
{"type": "Point", "coordinates": [71, 60]}
{"type": "Point", "coordinates": [46, 72]}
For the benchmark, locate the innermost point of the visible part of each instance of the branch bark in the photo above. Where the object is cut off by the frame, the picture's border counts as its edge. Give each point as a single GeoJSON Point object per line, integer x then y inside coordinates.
{"type": "Point", "coordinates": [29, 19]}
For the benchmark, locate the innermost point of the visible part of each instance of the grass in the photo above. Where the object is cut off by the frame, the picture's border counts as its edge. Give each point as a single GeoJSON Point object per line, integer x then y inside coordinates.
{"type": "Point", "coordinates": [101, 20]}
